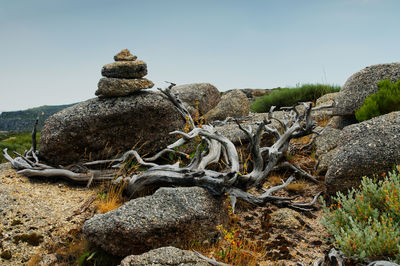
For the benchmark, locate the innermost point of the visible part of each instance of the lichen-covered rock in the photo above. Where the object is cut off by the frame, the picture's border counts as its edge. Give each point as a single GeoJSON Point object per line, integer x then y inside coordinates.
{"type": "Point", "coordinates": [171, 256]}
{"type": "Point", "coordinates": [103, 127]}
{"type": "Point", "coordinates": [326, 141]}
{"type": "Point", "coordinates": [362, 84]}
{"type": "Point", "coordinates": [125, 69]}
{"type": "Point", "coordinates": [367, 148]}
{"type": "Point", "coordinates": [232, 104]}
{"type": "Point", "coordinates": [169, 217]}
{"type": "Point", "coordinates": [201, 96]}
{"type": "Point", "coordinates": [113, 87]}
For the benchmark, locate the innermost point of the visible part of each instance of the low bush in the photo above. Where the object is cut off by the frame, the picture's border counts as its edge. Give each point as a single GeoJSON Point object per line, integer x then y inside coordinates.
{"type": "Point", "coordinates": [18, 142]}
{"type": "Point", "coordinates": [365, 224]}
{"type": "Point", "coordinates": [385, 101]}
{"type": "Point", "coordinates": [289, 96]}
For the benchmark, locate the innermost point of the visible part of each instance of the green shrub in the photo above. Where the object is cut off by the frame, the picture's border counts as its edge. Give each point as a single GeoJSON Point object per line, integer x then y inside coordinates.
{"type": "Point", "coordinates": [386, 100]}
{"type": "Point", "coordinates": [365, 224]}
{"type": "Point", "coordinates": [18, 142]}
{"type": "Point", "coordinates": [290, 96]}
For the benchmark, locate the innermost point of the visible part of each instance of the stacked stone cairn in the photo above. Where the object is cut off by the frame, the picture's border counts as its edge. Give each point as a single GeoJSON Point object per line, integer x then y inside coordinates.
{"type": "Point", "coordinates": [123, 77]}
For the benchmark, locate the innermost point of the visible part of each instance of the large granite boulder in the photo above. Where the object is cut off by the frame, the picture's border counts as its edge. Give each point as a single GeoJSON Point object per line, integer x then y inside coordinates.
{"type": "Point", "coordinates": [201, 96]}
{"type": "Point", "coordinates": [232, 104]}
{"type": "Point", "coordinates": [103, 127]}
{"type": "Point", "coordinates": [368, 148]}
{"type": "Point", "coordinates": [170, 256]}
{"type": "Point", "coordinates": [362, 84]}
{"type": "Point", "coordinates": [169, 217]}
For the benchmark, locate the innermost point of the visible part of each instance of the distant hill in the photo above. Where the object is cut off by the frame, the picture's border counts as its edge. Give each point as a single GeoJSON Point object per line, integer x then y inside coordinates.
{"type": "Point", "coordinates": [24, 120]}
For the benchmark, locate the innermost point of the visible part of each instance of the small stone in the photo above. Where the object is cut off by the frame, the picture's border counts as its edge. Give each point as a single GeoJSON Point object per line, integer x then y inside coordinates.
{"type": "Point", "coordinates": [125, 69]}
{"type": "Point", "coordinates": [125, 55]}
{"type": "Point", "coordinates": [113, 87]}
{"type": "Point", "coordinates": [285, 218]}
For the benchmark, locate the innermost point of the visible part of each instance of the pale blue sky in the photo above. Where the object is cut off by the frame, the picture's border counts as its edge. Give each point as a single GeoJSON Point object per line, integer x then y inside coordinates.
{"type": "Point", "coordinates": [52, 51]}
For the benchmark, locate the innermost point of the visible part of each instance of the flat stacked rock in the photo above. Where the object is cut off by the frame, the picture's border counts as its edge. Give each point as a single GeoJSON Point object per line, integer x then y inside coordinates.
{"type": "Point", "coordinates": [123, 77]}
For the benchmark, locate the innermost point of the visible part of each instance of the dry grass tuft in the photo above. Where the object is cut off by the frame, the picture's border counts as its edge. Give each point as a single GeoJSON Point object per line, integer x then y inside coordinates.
{"type": "Point", "coordinates": [275, 180]}
{"type": "Point", "coordinates": [296, 187]}
{"type": "Point", "coordinates": [111, 199]}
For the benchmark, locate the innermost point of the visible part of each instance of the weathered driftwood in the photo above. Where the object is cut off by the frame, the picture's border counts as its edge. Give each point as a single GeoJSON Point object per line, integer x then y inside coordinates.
{"type": "Point", "coordinates": [212, 148]}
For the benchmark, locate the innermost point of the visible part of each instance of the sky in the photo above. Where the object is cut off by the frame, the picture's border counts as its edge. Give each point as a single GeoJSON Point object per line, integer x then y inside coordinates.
{"type": "Point", "coordinates": [52, 51]}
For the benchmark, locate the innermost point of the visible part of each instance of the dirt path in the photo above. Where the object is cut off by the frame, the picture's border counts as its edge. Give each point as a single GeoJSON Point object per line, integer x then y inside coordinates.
{"type": "Point", "coordinates": [35, 214]}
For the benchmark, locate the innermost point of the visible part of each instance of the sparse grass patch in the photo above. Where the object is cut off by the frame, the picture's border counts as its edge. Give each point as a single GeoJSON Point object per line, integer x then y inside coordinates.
{"type": "Point", "coordinates": [291, 96]}
{"type": "Point", "coordinates": [18, 142]}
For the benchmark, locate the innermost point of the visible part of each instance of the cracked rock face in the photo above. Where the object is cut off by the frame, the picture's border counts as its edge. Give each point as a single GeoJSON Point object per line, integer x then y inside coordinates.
{"type": "Point", "coordinates": [362, 84]}
{"type": "Point", "coordinates": [364, 149]}
{"type": "Point", "coordinates": [100, 128]}
{"type": "Point", "coordinates": [169, 217]}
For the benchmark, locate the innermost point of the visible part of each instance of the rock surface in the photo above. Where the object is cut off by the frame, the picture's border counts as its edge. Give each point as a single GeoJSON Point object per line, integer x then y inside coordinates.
{"type": "Point", "coordinates": [169, 217]}
{"type": "Point", "coordinates": [44, 211]}
{"type": "Point", "coordinates": [232, 104]}
{"type": "Point", "coordinates": [324, 143]}
{"type": "Point", "coordinates": [113, 87]}
{"type": "Point", "coordinates": [368, 148]}
{"type": "Point", "coordinates": [164, 256]}
{"type": "Point", "coordinates": [362, 84]}
{"type": "Point", "coordinates": [101, 128]}
{"type": "Point", "coordinates": [203, 96]}
{"type": "Point", "coordinates": [125, 69]}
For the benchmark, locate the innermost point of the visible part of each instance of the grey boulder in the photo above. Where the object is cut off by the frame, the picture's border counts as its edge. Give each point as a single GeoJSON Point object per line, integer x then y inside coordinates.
{"type": "Point", "coordinates": [233, 104]}
{"type": "Point", "coordinates": [103, 127]}
{"type": "Point", "coordinates": [364, 149]}
{"type": "Point", "coordinates": [125, 69]}
{"type": "Point", "coordinates": [362, 84]}
{"type": "Point", "coordinates": [169, 217]}
{"type": "Point", "coordinates": [201, 96]}
{"type": "Point", "coordinates": [165, 256]}
{"type": "Point", "coordinates": [113, 87]}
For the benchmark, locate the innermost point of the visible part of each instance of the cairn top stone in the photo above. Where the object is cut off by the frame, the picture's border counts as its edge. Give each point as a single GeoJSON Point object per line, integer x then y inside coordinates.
{"type": "Point", "coordinates": [125, 55]}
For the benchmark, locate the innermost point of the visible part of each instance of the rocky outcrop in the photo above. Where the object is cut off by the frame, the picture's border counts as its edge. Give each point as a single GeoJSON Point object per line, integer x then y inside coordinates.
{"type": "Point", "coordinates": [123, 77]}
{"type": "Point", "coordinates": [232, 104]}
{"type": "Point", "coordinates": [165, 256]}
{"type": "Point", "coordinates": [368, 148]}
{"type": "Point", "coordinates": [169, 217]}
{"type": "Point", "coordinates": [198, 96]}
{"type": "Point", "coordinates": [103, 127]}
{"type": "Point", "coordinates": [362, 84]}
